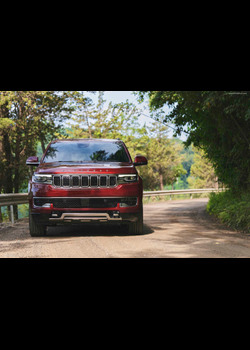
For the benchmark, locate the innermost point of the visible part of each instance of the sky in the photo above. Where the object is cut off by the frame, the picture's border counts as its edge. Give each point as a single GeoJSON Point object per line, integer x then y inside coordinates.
{"type": "Point", "coordinates": [122, 96]}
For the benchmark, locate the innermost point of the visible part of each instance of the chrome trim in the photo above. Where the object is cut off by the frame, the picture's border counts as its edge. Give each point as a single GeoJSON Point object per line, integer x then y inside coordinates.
{"type": "Point", "coordinates": [53, 182]}
{"type": "Point", "coordinates": [106, 177]}
{"type": "Point", "coordinates": [84, 217]}
{"type": "Point", "coordinates": [79, 181]}
{"type": "Point", "coordinates": [81, 185]}
{"type": "Point", "coordinates": [66, 176]}
{"type": "Point", "coordinates": [90, 180]}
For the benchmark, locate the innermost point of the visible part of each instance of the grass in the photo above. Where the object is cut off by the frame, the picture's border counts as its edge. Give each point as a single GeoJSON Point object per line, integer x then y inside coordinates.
{"type": "Point", "coordinates": [232, 209]}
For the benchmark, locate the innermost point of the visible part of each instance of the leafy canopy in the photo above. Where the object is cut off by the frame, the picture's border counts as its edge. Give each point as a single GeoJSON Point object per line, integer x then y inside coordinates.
{"type": "Point", "coordinates": [217, 122]}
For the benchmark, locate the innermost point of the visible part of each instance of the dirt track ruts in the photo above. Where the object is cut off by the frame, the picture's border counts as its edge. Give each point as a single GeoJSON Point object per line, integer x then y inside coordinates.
{"type": "Point", "coordinates": [177, 229]}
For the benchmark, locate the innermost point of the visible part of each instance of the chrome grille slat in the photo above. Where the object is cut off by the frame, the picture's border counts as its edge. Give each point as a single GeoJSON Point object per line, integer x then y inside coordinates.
{"type": "Point", "coordinates": [93, 181]}
{"type": "Point", "coordinates": [76, 181]}
{"type": "Point", "coordinates": [84, 181]}
{"type": "Point", "coordinates": [103, 181]}
{"type": "Point", "coordinates": [66, 181]}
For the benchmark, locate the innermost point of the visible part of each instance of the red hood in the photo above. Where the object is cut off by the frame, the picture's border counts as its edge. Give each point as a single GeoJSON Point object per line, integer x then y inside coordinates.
{"type": "Point", "coordinates": [91, 168]}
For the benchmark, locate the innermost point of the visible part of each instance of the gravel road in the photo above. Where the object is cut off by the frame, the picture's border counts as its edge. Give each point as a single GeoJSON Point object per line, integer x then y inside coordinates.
{"type": "Point", "coordinates": [176, 229]}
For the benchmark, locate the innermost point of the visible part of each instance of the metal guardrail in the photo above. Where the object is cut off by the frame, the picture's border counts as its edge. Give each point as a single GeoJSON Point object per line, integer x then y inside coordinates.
{"type": "Point", "coordinates": [175, 192]}
{"type": "Point", "coordinates": [22, 198]}
{"type": "Point", "coordinates": [11, 199]}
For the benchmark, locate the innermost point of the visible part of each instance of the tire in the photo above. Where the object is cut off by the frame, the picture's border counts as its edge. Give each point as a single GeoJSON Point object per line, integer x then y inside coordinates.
{"type": "Point", "coordinates": [36, 230]}
{"type": "Point", "coordinates": [136, 228]}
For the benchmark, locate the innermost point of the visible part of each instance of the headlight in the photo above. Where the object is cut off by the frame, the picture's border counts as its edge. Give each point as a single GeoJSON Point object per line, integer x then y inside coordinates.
{"type": "Point", "coordinates": [42, 179]}
{"type": "Point", "coordinates": [127, 178]}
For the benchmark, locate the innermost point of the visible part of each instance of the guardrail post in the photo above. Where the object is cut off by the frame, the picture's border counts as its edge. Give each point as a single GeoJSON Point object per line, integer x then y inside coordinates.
{"type": "Point", "coordinates": [191, 196]}
{"type": "Point", "coordinates": [12, 214]}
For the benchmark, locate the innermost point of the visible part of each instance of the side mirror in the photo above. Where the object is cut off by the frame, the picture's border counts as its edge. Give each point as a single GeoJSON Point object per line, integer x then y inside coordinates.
{"type": "Point", "coordinates": [32, 161]}
{"type": "Point", "coordinates": [140, 160]}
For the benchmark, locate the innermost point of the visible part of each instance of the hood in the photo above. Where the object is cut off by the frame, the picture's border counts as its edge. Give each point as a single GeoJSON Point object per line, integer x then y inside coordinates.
{"type": "Point", "coordinates": [88, 168]}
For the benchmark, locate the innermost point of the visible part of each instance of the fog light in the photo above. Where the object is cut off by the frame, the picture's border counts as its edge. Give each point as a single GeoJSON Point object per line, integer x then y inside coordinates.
{"type": "Point", "coordinates": [128, 202]}
{"type": "Point", "coordinates": [56, 214]}
{"type": "Point", "coordinates": [46, 205]}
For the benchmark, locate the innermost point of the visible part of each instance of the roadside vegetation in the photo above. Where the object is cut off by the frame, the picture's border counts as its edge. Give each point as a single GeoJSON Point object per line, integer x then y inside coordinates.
{"type": "Point", "coordinates": [233, 209]}
{"type": "Point", "coordinates": [218, 125]}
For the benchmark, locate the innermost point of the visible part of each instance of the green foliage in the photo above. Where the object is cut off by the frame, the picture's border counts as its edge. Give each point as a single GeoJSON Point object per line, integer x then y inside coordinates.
{"type": "Point", "coordinates": [231, 208]}
{"type": "Point", "coordinates": [5, 123]}
{"type": "Point", "coordinates": [216, 121]}
{"type": "Point", "coordinates": [26, 118]}
{"type": "Point", "coordinates": [164, 160]}
{"type": "Point", "coordinates": [23, 211]}
{"type": "Point", "coordinates": [121, 121]}
{"type": "Point", "coordinates": [187, 154]}
{"type": "Point", "coordinates": [202, 172]}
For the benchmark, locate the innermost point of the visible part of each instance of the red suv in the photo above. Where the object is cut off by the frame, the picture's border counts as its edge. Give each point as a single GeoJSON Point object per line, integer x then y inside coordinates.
{"type": "Point", "coordinates": [85, 181]}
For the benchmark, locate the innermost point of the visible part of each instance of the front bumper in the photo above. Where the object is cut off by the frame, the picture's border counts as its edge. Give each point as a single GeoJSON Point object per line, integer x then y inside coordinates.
{"type": "Point", "coordinates": [82, 205]}
{"type": "Point", "coordinates": [56, 217]}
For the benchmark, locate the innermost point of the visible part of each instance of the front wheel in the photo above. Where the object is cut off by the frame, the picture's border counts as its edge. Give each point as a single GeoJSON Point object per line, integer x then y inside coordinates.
{"type": "Point", "coordinates": [136, 228]}
{"type": "Point", "coordinates": [36, 230]}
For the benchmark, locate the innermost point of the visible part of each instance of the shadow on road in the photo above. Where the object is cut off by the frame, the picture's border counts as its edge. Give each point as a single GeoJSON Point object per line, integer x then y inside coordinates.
{"type": "Point", "coordinates": [94, 230]}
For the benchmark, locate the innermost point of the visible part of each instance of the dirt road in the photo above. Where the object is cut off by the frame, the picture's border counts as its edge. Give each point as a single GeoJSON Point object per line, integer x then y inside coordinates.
{"type": "Point", "coordinates": [177, 229]}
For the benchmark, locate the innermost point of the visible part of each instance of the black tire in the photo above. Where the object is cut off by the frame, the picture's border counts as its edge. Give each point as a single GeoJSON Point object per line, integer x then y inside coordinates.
{"type": "Point", "coordinates": [36, 230]}
{"type": "Point", "coordinates": [136, 228]}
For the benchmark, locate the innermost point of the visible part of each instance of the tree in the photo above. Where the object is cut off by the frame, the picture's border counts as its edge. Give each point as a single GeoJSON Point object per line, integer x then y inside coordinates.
{"type": "Point", "coordinates": [25, 118]}
{"type": "Point", "coordinates": [202, 173]}
{"type": "Point", "coordinates": [187, 154]}
{"type": "Point", "coordinates": [95, 121]}
{"type": "Point", "coordinates": [121, 121]}
{"type": "Point", "coordinates": [217, 122]}
{"type": "Point", "coordinates": [164, 162]}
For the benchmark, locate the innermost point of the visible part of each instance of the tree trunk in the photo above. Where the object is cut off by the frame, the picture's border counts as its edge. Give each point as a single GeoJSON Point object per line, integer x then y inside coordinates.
{"type": "Point", "coordinates": [42, 143]}
{"type": "Point", "coordinates": [89, 128]}
{"type": "Point", "coordinates": [161, 180]}
{"type": "Point", "coordinates": [216, 183]}
{"type": "Point", "coordinates": [15, 209]}
{"type": "Point", "coordinates": [17, 171]}
{"type": "Point", "coordinates": [8, 182]}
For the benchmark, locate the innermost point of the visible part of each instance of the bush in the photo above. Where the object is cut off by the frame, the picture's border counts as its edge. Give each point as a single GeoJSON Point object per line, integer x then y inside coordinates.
{"type": "Point", "coordinates": [231, 208]}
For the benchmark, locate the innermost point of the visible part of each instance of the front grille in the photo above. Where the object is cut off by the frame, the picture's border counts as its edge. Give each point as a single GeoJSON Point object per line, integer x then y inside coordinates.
{"type": "Point", "coordinates": [66, 181]}
{"type": "Point", "coordinates": [103, 181]}
{"type": "Point", "coordinates": [57, 180]}
{"type": "Point", "coordinates": [76, 182]}
{"type": "Point", "coordinates": [85, 181]}
{"type": "Point", "coordinates": [60, 203]}
{"type": "Point", "coordinates": [93, 181]}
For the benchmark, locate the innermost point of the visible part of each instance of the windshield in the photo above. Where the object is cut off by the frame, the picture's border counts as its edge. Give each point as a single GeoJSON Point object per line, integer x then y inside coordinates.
{"type": "Point", "coordinates": [78, 152]}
